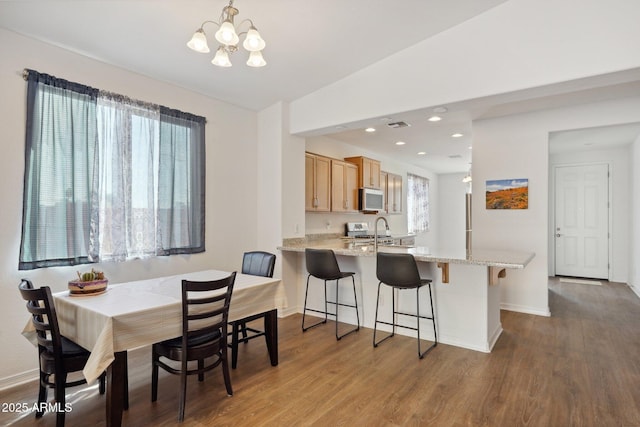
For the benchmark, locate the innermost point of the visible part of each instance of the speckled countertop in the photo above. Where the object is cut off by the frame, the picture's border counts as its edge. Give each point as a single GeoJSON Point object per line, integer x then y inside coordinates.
{"type": "Point", "coordinates": [348, 247]}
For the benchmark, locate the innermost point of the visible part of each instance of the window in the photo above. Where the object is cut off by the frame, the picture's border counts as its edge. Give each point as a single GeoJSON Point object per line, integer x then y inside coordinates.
{"type": "Point", "coordinates": [108, 177]}
{"type": "Point", "coordinates": [417, 203]}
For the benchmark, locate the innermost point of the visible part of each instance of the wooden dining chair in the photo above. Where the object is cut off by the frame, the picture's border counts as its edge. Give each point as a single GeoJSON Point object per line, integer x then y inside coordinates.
{"type": "Point", "coordinates": [205, 314]}
{"type": "Point", "coordinates": [256, 263]}
{"type": "Point", "coordinates": [58, 356]}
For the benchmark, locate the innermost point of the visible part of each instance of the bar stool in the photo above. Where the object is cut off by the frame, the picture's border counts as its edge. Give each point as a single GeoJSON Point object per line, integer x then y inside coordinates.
{"type": "Point", "coordinates": [400, 272]}
{"type": "Point", "coordinates": [322, 264]}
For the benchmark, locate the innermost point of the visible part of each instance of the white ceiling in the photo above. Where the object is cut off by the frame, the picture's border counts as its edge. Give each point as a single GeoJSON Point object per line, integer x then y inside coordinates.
{"type": "Point", "coordinates": [310, 44]}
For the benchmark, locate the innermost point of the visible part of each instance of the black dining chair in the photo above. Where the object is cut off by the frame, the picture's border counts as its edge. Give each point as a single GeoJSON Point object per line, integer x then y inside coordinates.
{"type": "Point", "coordinates": [58, 356]}
{"type": "Point", "coordinates": [256, 263]}
{"type": "Point", "coordinates": [322, 264]}
{"type": "Point", "coordinates": [400, 272]}
{"type": "Point", "coordinates": [205, 314]}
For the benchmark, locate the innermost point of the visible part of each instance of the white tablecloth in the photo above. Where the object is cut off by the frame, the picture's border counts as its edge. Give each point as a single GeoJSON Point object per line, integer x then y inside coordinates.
{"type": "Point", "coordinates": [134, 314]}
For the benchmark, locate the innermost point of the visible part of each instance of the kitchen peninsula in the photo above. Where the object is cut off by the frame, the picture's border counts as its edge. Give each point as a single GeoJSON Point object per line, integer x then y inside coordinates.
{"type": "Point", "coordinates": [466, 287]}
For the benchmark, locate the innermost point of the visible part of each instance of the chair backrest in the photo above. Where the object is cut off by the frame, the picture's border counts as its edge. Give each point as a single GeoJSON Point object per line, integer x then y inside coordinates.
{"type": "Point", "coordinates": [398, 270]}
{"type": "Point", "coordinates": [43, 316]}
{"type": "Point", "coordinates": [205, 307]}
{"type": "Point", "coordinates": [258, 263]}
{"type": "Point", "coordinates": [322, 263]}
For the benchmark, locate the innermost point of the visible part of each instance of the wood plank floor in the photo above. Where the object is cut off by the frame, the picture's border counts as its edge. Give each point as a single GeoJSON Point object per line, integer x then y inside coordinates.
{"type": "Point", "coordinates": [580, 367]}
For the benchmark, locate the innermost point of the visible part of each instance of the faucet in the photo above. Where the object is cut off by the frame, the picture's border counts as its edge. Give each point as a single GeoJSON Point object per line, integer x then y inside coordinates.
{"type": "Point", "coordinates": [375, 235]}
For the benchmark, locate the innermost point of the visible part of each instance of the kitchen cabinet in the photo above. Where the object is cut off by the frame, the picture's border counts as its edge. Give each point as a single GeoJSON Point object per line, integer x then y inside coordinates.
{"type": "Point", "coordinates": [368, 171]}
{"type": "Point", "coordinates": [391, 184]}
{"type": "Point", "coordinates": [317, 183]}
{"type": "Point", "coordinates": [383, 186]}
{"type": "Point", "coordinates": [344, 186]}
{"type": "Point", "coordinates": [394, 193]}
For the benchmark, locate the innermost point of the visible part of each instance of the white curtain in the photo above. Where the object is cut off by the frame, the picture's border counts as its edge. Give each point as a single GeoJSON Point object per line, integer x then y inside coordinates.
{"type": "Point", "coordinates": [417, 203]}
{"type": "Point", "coordinates": [126, 165]}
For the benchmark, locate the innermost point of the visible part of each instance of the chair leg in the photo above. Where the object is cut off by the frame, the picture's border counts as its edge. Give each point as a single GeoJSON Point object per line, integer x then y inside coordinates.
{"type": "Point", "coordinates": [337, 306]}
{"type": "Point", "coordinates": [420, 355]}
{"type": "Point", "coordinates": [234, 344]}
{"type": "Point", "coordinates": [339, 337]}
{"type": "Point", "coordinates": [225, 372]}
{"type": "Point", "coordinates": [244, 332]}
{"type": "Point", "coordinates": [201, 369]}
{"type": "Point", "coordinates": [183, 391]}
{"type": "Point", "coordinates": [42, 394]}
{"type": "Point", "coordinates": [376, 321]}
{"type": "Point", "coordinates": [433, 319]}
{"type": "Point", "coordinates": [60, 381]}
{"type": "Point", "coordinates": [154, 375]}
{"type": "Point", "coordinates": [355, 298]}
{"type": "Point", "coordinates": [304, 310]}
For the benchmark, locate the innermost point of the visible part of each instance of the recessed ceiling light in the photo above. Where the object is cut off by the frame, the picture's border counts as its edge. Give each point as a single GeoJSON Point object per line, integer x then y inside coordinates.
{"type": "Point", "coordinates": [400, 143]}
{"type": "Point", "coordinates": [386, 119]}
{"type": "Point", "coordinates": [440, 110]}
{"type": "Point", "coordinates": [435, 118]}
{"type": "Point", "coordinates": [457, 135]}
{"type": "Point", "coordinates": [422, 153]}
{"type": "Point", "coordinates": [370, 130]}
{"type": "Point", "coordinates": [470, 147]}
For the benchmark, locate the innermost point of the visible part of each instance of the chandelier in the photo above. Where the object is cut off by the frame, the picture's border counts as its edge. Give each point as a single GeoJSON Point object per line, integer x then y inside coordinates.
{"type": "Point", "coordinates": [229, 38]}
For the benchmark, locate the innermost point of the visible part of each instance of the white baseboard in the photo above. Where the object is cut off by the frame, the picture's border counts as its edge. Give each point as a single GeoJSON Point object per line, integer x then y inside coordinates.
{"type": "Point", "coordinates": [525, 309]}
{"type": "Point", "coordinates": [18, 379]}
{"type": "Point", "coordinates": [635, 290]}
{"type": "Point", "coordinates": [285, 312]}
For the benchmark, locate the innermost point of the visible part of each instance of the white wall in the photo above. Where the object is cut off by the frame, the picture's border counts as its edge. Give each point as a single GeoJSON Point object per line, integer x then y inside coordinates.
{"type": "Point", "coordinates": [634, 252]}
{"type": "Point", "coordinates": [293, 217]}
{"type": "Point", "coordinates": [517, 147]}
{"type": "Point", "coordinates": [619, 163]}
{"type": "Point", "coordinates": [519, 44]}
{"type": "Point", "coordinates": [231, 224]}
{"type": "Point", "coordinates": [451, 209]}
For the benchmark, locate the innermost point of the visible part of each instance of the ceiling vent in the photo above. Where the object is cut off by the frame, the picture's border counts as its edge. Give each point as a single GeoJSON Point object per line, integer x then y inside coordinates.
{"type": "Point", "coordinates": [455, 156]}
{"type": "Point", "coordinates": [398, 125]}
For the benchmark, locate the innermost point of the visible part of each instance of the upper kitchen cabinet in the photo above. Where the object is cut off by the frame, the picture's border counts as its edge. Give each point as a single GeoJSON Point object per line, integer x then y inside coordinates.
{"type": "Point", "coordinates": [393, 193]}
{"type": "Point", "coordinates": [344, 186]}
{"type": "Point", "coordinates": [317, 183]}
{"type": "Point", "coordinates": [368, 171]}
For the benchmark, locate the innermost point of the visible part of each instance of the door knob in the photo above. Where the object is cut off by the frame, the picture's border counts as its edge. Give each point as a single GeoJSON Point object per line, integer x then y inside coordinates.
{"type": "Point", "coordinates": [558, 235]}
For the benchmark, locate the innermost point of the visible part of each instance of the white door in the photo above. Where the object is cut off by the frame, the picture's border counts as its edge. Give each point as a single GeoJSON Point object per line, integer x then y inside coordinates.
{"type": "Point", "coordinates": [582, 221]}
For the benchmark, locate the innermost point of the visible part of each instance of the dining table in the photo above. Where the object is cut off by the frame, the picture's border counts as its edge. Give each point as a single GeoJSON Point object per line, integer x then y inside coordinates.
{"type": "Point", "coordinates": [139, 313]}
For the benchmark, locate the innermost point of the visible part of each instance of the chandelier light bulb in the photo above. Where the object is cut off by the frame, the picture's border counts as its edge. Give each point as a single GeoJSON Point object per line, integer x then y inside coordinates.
{"type": "Point", "coordinates": [227, 34]}
{"type": "Point", "coordinates": [253, 42]}
{"type": "Point", "coordinates": [199, 42]}
{"type": "Point", "coordinates": [256, 60]}
{"type": "Point", "coordinates": [222, 58]}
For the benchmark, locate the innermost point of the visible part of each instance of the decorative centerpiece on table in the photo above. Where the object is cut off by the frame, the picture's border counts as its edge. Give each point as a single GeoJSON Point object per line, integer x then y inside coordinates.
{"type": "Point", "coordinates": [89, 283]}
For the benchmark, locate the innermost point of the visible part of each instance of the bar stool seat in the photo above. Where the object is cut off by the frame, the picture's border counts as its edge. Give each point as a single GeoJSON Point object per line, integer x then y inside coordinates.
{"type": "Point", "coordinates": [322, 264]}
{"type": "Point", "coordinates": [400, 272]}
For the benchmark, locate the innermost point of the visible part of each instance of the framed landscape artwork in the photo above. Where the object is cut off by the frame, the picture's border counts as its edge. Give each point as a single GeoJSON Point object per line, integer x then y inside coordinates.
{"type": "Point", "coordinates": [507, 194]}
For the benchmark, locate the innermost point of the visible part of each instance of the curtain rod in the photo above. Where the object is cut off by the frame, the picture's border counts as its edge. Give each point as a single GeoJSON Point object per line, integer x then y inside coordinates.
{"type": "Point", "coordinates": [25, 76]}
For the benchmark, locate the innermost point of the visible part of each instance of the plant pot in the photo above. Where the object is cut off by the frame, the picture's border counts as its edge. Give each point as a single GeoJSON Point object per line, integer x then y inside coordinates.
{"type": "Point", "coordinates": [93, 287]}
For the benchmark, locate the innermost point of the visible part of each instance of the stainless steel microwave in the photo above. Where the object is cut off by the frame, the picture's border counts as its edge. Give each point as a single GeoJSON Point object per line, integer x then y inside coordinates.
{"type": "Point", "coordinates": [371, 199]}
